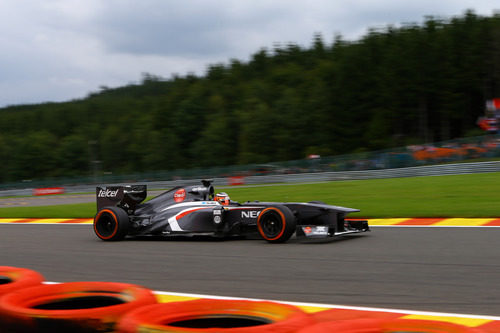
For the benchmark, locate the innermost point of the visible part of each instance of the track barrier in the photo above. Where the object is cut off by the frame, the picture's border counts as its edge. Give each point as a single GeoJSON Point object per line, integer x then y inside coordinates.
{"type": "Point", "coordinates": [14, 278]}
{"type": "Point", "coordinates": [27, 305]}
{"type": "Point", "coordinates": [388, 326]}
{"type": "Point", "coordinates": [343, 314]}
{"type": "Point", "coordinates": [205, 315]}
{"type": "Point", "coordinates": [76, 307]}
{"type": "Point", "coordinates": [48, 191]}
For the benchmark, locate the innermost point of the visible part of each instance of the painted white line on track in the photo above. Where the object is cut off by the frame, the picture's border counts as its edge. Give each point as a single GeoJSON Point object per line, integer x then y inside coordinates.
{"type": "Point", "coordinates": [432, 226]}
{"type": "Point", "coordinates": [334, 306]}
{"type": "Point", "coordinates": [371, 226]}
{"type": "Point", "coordinates": [326, 306]}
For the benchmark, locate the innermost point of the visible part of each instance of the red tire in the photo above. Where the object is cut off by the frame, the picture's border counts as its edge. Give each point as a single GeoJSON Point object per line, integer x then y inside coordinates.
{"type": "Point", "coordinates": [207, 315]}
{"type": "Point", "coordinates": [14, 278]}
{"type": "Point", "coordinates": [388, 325]}
{"type": "Point", "coordinates": [71, 307]}
{"type": "Point", "coordinates": [344, 314]}
{"type": "Point", "coordinates": [276, 224]}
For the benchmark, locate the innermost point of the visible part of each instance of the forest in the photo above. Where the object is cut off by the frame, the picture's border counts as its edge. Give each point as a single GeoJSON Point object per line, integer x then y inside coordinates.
{"type": "Point", "coordinates": [395, 86]}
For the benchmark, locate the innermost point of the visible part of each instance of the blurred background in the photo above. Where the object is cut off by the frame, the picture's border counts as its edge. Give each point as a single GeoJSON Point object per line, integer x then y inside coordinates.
{"type": "Point", "coordinates": [390, 95]}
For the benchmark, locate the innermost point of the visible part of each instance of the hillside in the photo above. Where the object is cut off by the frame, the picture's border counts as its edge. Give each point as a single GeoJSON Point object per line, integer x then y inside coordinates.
{"type": "Point", "coordinates": [393, 87]}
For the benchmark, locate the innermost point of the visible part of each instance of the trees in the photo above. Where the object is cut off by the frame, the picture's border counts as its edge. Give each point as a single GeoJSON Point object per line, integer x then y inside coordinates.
{"type": "Point", "coordinates": [394, 86]}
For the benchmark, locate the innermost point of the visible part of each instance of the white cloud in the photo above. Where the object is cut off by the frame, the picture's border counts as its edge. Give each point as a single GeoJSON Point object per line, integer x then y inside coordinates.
{"type": "Point", "coordinates": [56, 50]}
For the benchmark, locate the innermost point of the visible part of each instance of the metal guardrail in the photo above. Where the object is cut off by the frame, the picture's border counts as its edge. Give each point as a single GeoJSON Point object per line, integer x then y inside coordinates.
{"type": "Point", "coordinates": [431, 170]}
{"type": "Point", "coordinates": [361, 165]}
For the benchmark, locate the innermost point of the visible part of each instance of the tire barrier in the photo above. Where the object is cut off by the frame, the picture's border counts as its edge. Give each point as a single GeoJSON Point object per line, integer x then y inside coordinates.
{"type": "Point", "coordinates": [205, 315]}
{"type": "Point", "coordinates": [345, 314]}
{"type": "Point", "coordinates": [76, 307]}
{"type": "Point", "coordinates": [14, 278]}
{"type": "Point", "coordinates": [28, 306]}
{"type": "Point", "coordinates": [388, 326]}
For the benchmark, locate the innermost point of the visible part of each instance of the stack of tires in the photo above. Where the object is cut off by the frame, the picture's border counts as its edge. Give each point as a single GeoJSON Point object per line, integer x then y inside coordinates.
{"type": "Point", "coordinates": [27, 305]}
{"type": "Point", "coordinates": [206, 315]}
{"type": "Point", "coordinates": [348, 321]}
{"type": "Point", "coordinates": [13, 278]}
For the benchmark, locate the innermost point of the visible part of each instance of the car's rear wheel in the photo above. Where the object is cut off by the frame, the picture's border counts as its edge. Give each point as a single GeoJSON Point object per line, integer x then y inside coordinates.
{"type": "Point", "coordinates": [111, 224]}
{"type": "Point", "coordinates": [276, 224]}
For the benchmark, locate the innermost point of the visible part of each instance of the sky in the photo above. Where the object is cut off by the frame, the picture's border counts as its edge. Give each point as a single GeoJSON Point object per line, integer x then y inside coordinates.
{"type": "Point", "coordinates": [61, 50]}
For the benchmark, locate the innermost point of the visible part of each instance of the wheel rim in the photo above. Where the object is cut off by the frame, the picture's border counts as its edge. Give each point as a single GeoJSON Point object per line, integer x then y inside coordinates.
{"type": "Point", "coordinates": [272, 225]}
{"type": "Point", "coordinates": [106, 225]}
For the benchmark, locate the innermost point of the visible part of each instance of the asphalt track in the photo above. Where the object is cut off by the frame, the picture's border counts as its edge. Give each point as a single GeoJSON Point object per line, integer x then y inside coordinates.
{"type": "Point", "coordinates": [453, 270]}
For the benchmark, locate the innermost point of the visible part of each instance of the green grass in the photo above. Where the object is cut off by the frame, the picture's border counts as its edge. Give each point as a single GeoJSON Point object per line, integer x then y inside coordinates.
{"type": "Point", "coordinates": [475, 195]}
{"type": "Point", "coordinates": [83, 210]}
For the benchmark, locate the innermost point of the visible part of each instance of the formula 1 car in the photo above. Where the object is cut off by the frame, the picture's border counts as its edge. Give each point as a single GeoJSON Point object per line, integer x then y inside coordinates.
{"type": "Point", "coordinates": [192, 210]}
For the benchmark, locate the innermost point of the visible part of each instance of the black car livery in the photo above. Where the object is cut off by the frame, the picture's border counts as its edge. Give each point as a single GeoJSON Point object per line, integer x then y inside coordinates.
{"type": "Point", "coordinates": [191, 210]}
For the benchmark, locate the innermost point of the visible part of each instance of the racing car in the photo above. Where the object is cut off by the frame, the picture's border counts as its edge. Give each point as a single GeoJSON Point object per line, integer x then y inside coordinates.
{"type": "Point", "coordinates": [197, 210]}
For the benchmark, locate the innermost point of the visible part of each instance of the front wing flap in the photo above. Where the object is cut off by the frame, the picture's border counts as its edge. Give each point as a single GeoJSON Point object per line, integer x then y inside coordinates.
{"type": "Point", "coordinates": [323, 231]}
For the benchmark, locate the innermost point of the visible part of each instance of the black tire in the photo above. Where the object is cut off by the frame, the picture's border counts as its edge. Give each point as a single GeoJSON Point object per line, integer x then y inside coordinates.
{"type": "Point", "coordinates": [111, 224]}
{"type": "Point", "coordinates": [276, 224]}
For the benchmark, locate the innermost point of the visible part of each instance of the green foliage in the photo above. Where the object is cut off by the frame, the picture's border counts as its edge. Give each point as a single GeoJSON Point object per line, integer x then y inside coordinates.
{"type": "Point", "coordinates": [416, 83]}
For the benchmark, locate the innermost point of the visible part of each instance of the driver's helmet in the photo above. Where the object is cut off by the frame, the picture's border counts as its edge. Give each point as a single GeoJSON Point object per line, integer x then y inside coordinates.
{"type": "Point", "coordinates": [222, 198]}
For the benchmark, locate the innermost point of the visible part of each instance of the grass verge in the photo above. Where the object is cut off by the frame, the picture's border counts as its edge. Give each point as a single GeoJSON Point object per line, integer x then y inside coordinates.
{"type": "Point", "coordinates": [474, 195]}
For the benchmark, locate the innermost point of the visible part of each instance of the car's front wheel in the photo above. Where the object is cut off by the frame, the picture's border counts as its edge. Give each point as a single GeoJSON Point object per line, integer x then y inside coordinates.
{"type": "Point", "coordinates": [111, 224]}
{"type": "Point", "coordinates": [276, 224]}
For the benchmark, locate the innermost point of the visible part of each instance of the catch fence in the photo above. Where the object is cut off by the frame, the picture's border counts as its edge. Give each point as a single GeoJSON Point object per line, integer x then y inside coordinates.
{"type": "Point", "coordinates": [449, 157]}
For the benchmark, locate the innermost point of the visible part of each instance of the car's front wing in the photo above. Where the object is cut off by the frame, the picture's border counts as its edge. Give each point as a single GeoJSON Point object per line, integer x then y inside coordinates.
{"type": "Point", "coordinates": [324, 231]}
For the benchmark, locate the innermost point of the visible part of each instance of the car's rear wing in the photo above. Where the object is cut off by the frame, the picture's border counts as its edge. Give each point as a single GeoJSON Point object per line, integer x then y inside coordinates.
{"type": "Point", "coordinates": [126, 197]}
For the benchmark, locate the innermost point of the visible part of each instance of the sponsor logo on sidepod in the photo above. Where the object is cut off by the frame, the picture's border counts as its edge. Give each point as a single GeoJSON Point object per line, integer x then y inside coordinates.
{"type": "Point", "coordinates": [107, 193]}
{"type": "Point", "coordinates": [180, 195]}
{"type": "Point", "coordinates": [250, 214]}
